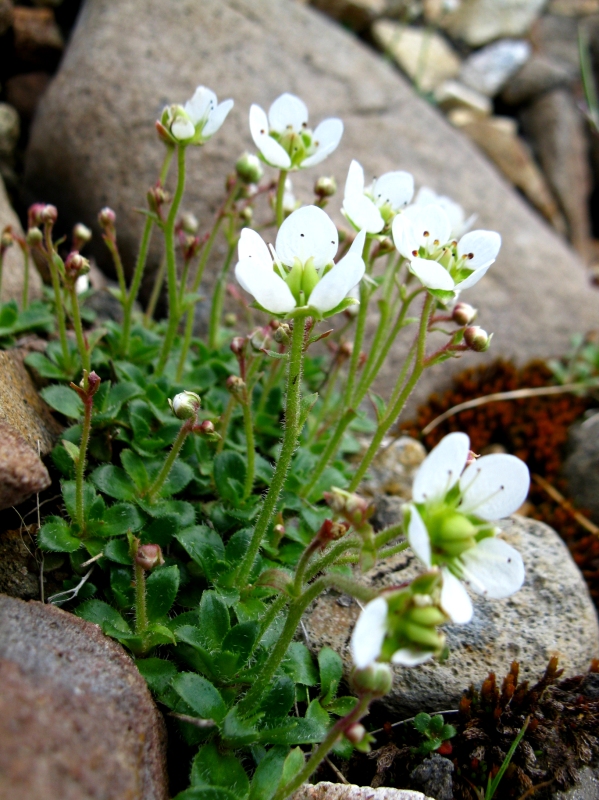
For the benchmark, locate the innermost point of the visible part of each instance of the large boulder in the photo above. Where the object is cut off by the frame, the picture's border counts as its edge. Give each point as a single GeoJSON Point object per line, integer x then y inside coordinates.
{"type": "Point", "coordinates": [93, 143]}
{"type": "Point", "coordinates": [551, 615]}
{"type": "Point", "coordinates": [13, 268]}
{"type": "Point", "coordinates": [77, 721]}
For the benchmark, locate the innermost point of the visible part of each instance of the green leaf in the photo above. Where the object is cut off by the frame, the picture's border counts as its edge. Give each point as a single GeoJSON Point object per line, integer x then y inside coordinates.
{"type": "Point", "coordinates": [118, 550]}
{"type": "Point", "coordinates": [206, 793]}
{"type": "Point", "coordinates": [214, 621]}
{"type": "Point", "coordinates": [56, 535]}
{"type": "Point", "coordinates": [292, 731]}
{"type": "Point", "coordinates": [318, 715]}
{"type": "Point", "coordinates": [306, 405]}
{"type": "Point", "coordinates": [331, 671]}
{"type": "Point", "coordinates": [135, 468]}
{"type": "Point", "coordinates": [63, 399]}
{"type": "Point", "coordinates": [229, 476]}
{"type": "Point", "coordinates": [120, 518]}
{"type": "Point", "coordinates": [203, 545]}
{"type": "Point", "coordinates": [71, 449]}
{"type": "Point", "coordinates": [279, 700]}
{"type": "Point", "coordinates": [299, 666]}
{"type": "Point", "coordinates": [161, 590]}
{"type": "Point", "coordinates": [120, 586]}
{"type": "Point", "coordinates": [103, 615]}
{"type": "Point", "coordinates": [193, 649]}
{"type": "Point", "coordinates": [268, 774]}
{"type": "Point", "coordinates": [202, 697]}
{"type": "Point", "coordinates": [342, 706]}
{"type": "Point", "coordinates": [179, 476]}
{"type": "Point", "coordinates": [293, 764]}
{"type": "Point", "coordinates": [379, 404]}
{"type": "Point", "coordinates": [114, 482]}
{"type": "Point", "coordinates": [241, 639]}
{"type": "Point", "coordinates": [422, 722]}
{"type": "Point", "coordinates": [213, 768]}
{"type": "Point", "coordinates": [160, 531]}
{"type": "Point", "coordinates": [156, 634]}
{"type": "Point", "coordinates": [90, 498]}
{"type": "Point", "coordinates": [185, 512]}
{"type": "Point", "coordinates": [46, 368]}
{"type": "Point", "coordinates": [157, 672]}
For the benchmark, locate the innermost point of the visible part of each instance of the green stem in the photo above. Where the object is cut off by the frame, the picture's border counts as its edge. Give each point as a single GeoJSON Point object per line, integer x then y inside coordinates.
{"type": "Point", "coordinates": [156, 289]}
{"type": "Point", "coordinates": [60, 316]}
{"type": "Point", "coordinates": [290, 437]}
{"type": "Point", "coordinates": [329, 450]}
{"type": "Point", "coordinates": [170, 460]}
{"type": "Point", "coordinates": [25, 301]}
{"type": "Point", "coordinates": [248, 425]}
{"type": "Point", "coordinates": [332, 555]}
{"type": "Point", "coordinates": [80, 466]}
{"type": "Point", "coordinates": [141, 611]}
{"type": "Point", "coordinates": [218, 298]}
{"type": "Point", "coordinates": [280, 214]}
{"type": "Point", "coordinates": [388, 534]}
{"type": "Point", "coordinates": [269, 617]}
{"type": "Point", "coordinates": [171, 263]}
{"type": "Point", "coordinates": [387, 552]}
{"type": "Point", "coordinates": [77, 325]}
{"type": "Point", "coordinates": [397, 407]}
{"type": "Point", "coordinates": [365, 294]}
{"type": "Point", "coordinates": [224, 424]}
{"type": "Point", "coordinates": [273, 378]}
{"type": "Point", "coordinates": [129, 299]}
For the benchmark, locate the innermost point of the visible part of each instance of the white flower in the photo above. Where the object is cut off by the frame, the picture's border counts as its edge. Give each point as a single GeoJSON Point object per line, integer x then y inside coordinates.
{"type": "Point", "coordinates": [449, 522]}
{"type": "Point", "coordinates": [284, 139]}
{"type": "Point", "coordinates": [299, 272]}
{"type": "Point", "coordinates": [185, 405]}
{"type": "Point", "coordinates": [457, 217]}
{"type": "Point", "coordinates": [369, 633]}
{"type": "Point", "coordinates": [422, 234]}
{"type": "Point", "coordinates": [198, 120]}
{"type": "Point", "coordinates": [371, 209]}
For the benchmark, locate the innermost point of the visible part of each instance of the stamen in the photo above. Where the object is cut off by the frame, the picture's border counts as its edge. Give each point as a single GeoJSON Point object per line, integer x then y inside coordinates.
{"type": "Point", "coordinates": [470, 255]}
{"type": "Point", "coordinates": [436, 243]}
{"type": "Point", "coordinates": [415, 253]}
{"type": "Point", "coordinates": [426, 233]}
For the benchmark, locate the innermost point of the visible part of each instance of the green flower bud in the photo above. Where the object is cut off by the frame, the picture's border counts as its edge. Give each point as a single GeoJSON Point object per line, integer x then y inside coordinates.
{"type": "Point", "coordinates": [249, 168]}
{"type": "Point", "coordinates": [477, 339]}
{"type": "Point", "coordinates": [325, 187]}
{"type": "Point", "coordinates": [376, 680]}
{"type": "Point", "coordinates": [185, 405]}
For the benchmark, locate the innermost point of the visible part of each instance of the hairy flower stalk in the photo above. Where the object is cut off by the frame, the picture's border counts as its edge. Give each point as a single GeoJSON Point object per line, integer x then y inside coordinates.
{"type": "Point", "coordinates": [86, 390]}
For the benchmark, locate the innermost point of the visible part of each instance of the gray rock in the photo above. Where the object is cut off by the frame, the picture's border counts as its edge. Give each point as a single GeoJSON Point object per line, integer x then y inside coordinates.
{"type": "Point", "coordinates": [9, 130]}
{"type": "Point", "coordinates": [557, 36]}
{"type": "Point", "coordinates": [453, 94]}
{"type": "Point", "coordinates": [551, 615]}
{"type": "Point", "coordinates": [488, 70]}
{"type": "Point", "coordinates": [480, 21]}
{"type": "Point", "coordinates": [93, 144]}
{"type": "Point", "coordinates": [581, 468]}
{"type": "Point", "coordinates": [556, 129]}
{"type": "Point", "coordinates": [339, 791]}
{"type": "Point", "coordinates": [540, 74]}
{"type": "Point", "coordinates": [587, 787]}
{"type": "Point", "coordinates": [12, 270]}
{"type": "Point", "coordinates": [435, 776]}
{"type": "Point", "coordinates": [77, 721]}
{"type": "Point", "coordinates": [394, 467]}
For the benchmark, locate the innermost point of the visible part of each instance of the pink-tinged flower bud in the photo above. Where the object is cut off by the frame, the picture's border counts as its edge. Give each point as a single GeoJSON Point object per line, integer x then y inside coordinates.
{"type": "Point", "coordinates": [185, 405]}
{"type": "Point", "coordinates": [279, 530]}
{"type": "Point", "coordinates": [375, 679]}
{"type": "Point", "coordinates": [76, 264]}
{"type": "Point", "coordinates": [93, 383]}
{"type": "Point", "coordinates": [107, 218]}
{"type": "Point", "coordinates": [355, 733]}
{"type": "Point", "coordinates": [354, 508]}
{"type": "Point", "coordinates": [34, 237]}
{"type": "Point", "coordinates": [463, 313]}
{"type": "Point", "coordinates": [149, 556]}
{"type": "Point", "coordinates": [238, 345]}
{"type": "Point", "coordinates": [249, 168]}
{"type": "Point", "coordinates": [6, 240]}
{"type": "Point", "coordinates": [282, 334]}
{"type": "Point", "coordinates": [49, 214]}
{"type": "Point", "coordinates": [325, 187]}
{"type": "Point", "coordinates": [330, 531]}
{"type": "Point", "coordinates": [471, 458]}
{"type": "Point", "coordinates": [34, 215]}
{"type": "Point", "coordinates": [477, 339]}
{"type": "Point", "coordinates": [346, 349]}
{"type": "Point", "coordinates": [235, 385]}
{"type": "Point", "coordinates": [207, 427]}
{"type": "Point", "coordinates": [81, 236]}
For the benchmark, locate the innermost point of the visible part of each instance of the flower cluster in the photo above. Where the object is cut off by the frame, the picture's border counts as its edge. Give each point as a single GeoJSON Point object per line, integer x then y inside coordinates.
{"type": "Point", "coordinates": [196, 121]}
{"type": "Point", "coordinates": [372, 209]}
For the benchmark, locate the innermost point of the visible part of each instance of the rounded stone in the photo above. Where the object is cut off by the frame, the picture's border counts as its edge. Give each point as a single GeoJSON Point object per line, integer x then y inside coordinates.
{"type": "Point", "coordinates": [339, 791]}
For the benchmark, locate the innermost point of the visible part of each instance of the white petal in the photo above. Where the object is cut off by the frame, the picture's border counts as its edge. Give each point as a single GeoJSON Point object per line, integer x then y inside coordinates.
{"type": "Point", "coordinates": [493, 568]}
{"type": "Point", "coordinates": [307, 233]}
{"type": "Point", "coordinates": [418, 537]}
{"type": "Point", "coordinates": [455, 600]}
{"type": "Point", "coordinates": [395, 188]}
{"type": "Point", "coordinates": [252, 245]}
{"type": "Point", "coordinates": [354, 183]}
{"type": "Point", "coordinates": [357, 246]}
{"type": "Point", "coordinates": [471, 280]}
{"type": "Point", "coordinates": [216, 118]}
{"type": "Point", "coordinates": [432, 274]}
{"type": "Point", "coordinates": [266, 286]}
{"type": "Point", "coordinates": [484, 246]}
{"type": "Point", "coordinates": [326, 138]}
{"type": "Point", "coordinates": [362, 213]}
{"type": "Point", "coordinates": [182, 129]}
{"type": "Point", "coordinates": [287, 111]}
{"type": "Point", "coordinates": [410, 657]}
{"type": "Point", "coordinates": [426, 196]}
{"type": "Point", "coordinates": [404, 234]}
{"type": "Point", "coordinates": [203, 101]}
{"type": "Point", "coordinates": [494, 486]}
{"type": "Point", "coordinates": [258, 123]}
{"type": "Point", "coordinates": [337, 283]}
{"type": "Point", "coordinates": [369, 633]}
{"type": "Point", "coordinates": [273, 153]}
{"type": "Point", "coordinates": [441, 469]}
{"type": "Point", "coordinates": [433, 221]}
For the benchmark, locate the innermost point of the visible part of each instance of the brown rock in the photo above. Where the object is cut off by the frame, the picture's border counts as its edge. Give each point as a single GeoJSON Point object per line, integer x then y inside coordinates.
{"type": "Point", "coordinates": [12, 270]}
{"type": "Point", "coordinates": [21, 470]}
{"type": "Point", "coordinates": [540, 74]}
{"type": "Point", "coordinates": [6, 15]}
{"type": "Point", "coordinates": [38, 40]}
{"type": "Point", "coordinates": [77, 721]}
{"type": "Point", "coordinates": [93, 143]}
{"type": "Point", "coordinates": [356, 14]}
{"type": "Point", "coordinates": [19, 572]}
{"type": "Point", "coordinates": [477, 22]}
{"type": "Point", "coordinates": [25, 91]}
{"type": "Point", "coordinates": [556, 129]}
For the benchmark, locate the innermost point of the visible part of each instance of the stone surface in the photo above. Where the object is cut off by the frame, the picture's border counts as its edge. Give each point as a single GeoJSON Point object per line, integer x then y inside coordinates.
{"type": "Point", "coordinates": [587, 787]}
{"type": "Point", "coordinates": [581, 468]}
{"type": "Point", "coordinates": [37, 37]}
{"type": "Point", "coordinates": [488, 70]}
{"type": "Point", "coordinates": [9, 130]}
{"type": "Point", "coordinates": [19, 572]}
{"type": "Point", "coordinates": [12, 269]}
{"type": "Point", "coordinates": [124, 61]}
{"type": "Point", "coordinates": [573, 8]}
{"type": "Point", "coordinates": [77, 721]}
{"type": "Point", "coordinates": [338, 791]}
{"type": "Point", "coordinates": [394, 467]}
{"type": "Point", "coordinates": [480, 21]}
{"type": "Point", "coordinates": [497, 138]}
{"type": "Point", "coordinates": [551, 615]}
{"type": "Point", "coordinates": [6, 15]}
{"type": "Point", "coordinates": [356, 14]}
{"type": "Point", "coordinates": [453, 94]}
{"type": "Point", "coordinates": [26, 90]}
{"type": "Point", "coordinates": [540, 74]}
{"type": "Point", "coordinates": [557, 36]}
{"type": "Point", "coordinates": [22, 472]}
{"type": "Point", "coordinates": [556, 129]}
{"type": "Point", "coordinates": [423, 55]}
{"type": "Point", "coordinates": [435, 776]}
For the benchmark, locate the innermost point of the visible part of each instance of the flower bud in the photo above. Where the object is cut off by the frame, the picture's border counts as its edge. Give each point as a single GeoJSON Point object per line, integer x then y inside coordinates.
{"type": "Point", "coordinates": [185, 405]}
{"type": "Point", "coordinates": [34, 237]}
{"type": "Point", "coordinates": [49, 214]}
{"type": "Point", "coordinates": [206, 427]}
{"type": "Point", "coordinates": [477, 339]}
{"type": "Point", "coordinates": [355, 733]}
{"type": "Point", "coordinates": [282, 334]}
{"type": "Point", "coordinates": [325, 187]}
{"type": "Point", "coordinates": [249, 168]}
{"type": "Point", "coordinates": [189, 223]}
{"type": "Point", "coordinates": [238, 345]}
{"type": "Point", "coordinates": [34, 215]}
{"type": "Point", "coordinates": [375, 679]}
{"type": "Point", "coordinates": [107, 218]}
{"type": "Point", "coordinates": [463, 313]}
{"type": "Point", "coordinates": [230, 320]}
{"type": "Point", "coordinates": [354, 508]}
{"type": "Point", "coordinates": [76, 264]}
{"type": "Point", "coordinates": [149, 556]}
{"type": "Point", "coordinates": [330, 531]}
{"type": "Point", "coordinates": [247, 214]}
{"type": "Point", "coordinates": [6, 240]}
{"type": "Point", "coordinates": [81, 236]}
{"type": "Point", "coordinates": [235, 385]}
